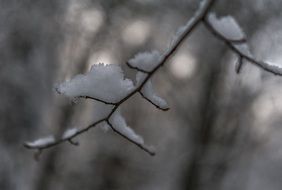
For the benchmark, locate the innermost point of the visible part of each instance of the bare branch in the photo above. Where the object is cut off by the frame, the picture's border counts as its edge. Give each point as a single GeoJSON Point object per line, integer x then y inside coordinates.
{"type": "Point", "coordinates": [239, 64]}
{"type": "Point", "coordinates": [265, 66]}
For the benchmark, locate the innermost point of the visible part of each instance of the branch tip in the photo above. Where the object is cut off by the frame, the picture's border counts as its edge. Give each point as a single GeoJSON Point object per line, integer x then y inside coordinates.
{"type": "Point", "coordinates": [157, 106]}
{"type": "Point", "coordinates": [149, 150]}
{"type": "Point", "coordinates": [75, 143]}
{"type": "Point", "coordinates": [37, 154]}
{"type": "Point", "coordinates": [239, 64]}
{"type": "Point", "coordinates": [26, 145]}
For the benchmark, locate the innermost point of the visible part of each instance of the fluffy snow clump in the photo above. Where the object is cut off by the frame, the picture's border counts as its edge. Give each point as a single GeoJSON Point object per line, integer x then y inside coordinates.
{"type": "Point", "coordinates": [226, 26]}
{"type": "Point", "coordinates": [120, 125]}
{"type": "Point", "coordinates": [149, 93]}
{"type": "Point", "coordinates": [146, 61]}
{"type": "Point", "coordinates": [103, 82]}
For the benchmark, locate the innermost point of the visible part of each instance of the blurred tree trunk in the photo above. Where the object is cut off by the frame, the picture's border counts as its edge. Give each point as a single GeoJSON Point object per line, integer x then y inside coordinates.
{"type": "Point", "coordinates": [202, 132]}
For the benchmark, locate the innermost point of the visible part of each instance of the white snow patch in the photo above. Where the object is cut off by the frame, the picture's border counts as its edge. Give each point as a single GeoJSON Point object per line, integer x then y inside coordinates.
{"type": "Point", "coordinates": [140, 77]}
{"type": "Point", "coordinates": [42, 142]}
{"type": "Point", "coordinates": [146, 61]}
{"type": "Point", "coordinates": [243, 49]}
{"type": "Point", "coordinates": [104, 82]}
{"type": "Point", "coordinates": [230, 29]}
{"type": "Point", "coordinates": [226, 26]}
{"type": "Point", "coordinates": [180, 31]}
{"type": "Point", "coordinates": [148, 91]}
{"type": "Point", "coordinates": [69, 133]}
{"type": "Point", "coordinates": [120, 125]}
{"type": "Point", "coordinates": [273, 67]}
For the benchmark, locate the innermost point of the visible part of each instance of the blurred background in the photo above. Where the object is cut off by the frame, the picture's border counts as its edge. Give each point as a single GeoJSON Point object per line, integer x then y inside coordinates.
{"type": "Point", "coordinates": [222, 132]}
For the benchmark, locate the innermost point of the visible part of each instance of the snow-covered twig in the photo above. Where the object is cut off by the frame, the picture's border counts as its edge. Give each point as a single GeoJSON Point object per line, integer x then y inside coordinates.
{"type": "Point", "coordinates": [98, 100]}
{"type": "Point", "coordinates": [141, 145]}
{"type": "Point", "coordinates": [106, 83]}
{"type": "Point", "coordinates": [242, 56]}
{"type": "Point", "coordinates": [156, 105]}
{"type": "Point", "coordinates": [136, 68]}
{"type": "Point", "coordinates": [185, 32]}
{"type": "Point", "coordinates": [48, 142]}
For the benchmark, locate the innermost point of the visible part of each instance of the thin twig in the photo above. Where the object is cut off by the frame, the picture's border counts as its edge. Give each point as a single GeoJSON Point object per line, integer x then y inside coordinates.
{"type": "Point", "coordinates": [239, 64]}
{"type": "Point", "coordinates": [61, 140]}
{"type": "Point", "coordinates": [193, 23]}
{"type": "Point", "coordinates": [157, 106]}
{"type": "Point", "coordinates": [75, 143]}
{"type": "Point", "coordinates": [136, 68]}
{"type": "Point", "coordinates": [265, 66]}
{"type": "Point", "coordinates": [97, 99]}
{"type": "Point", "coordinates": [239, 41]}
{"type": "Point", "coordinates": [142, 146]}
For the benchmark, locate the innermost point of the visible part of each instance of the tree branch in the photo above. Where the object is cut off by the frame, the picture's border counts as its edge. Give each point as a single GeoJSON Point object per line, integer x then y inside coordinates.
{"type": "Point", "coordinates": [61, 140]}
{"type": "Point", "coordinates": [239, 41]}
{"type": "Point", "coordinates": [263, 65]}
{"type": "Point", "coordinates": [189, 27]}
{"type": "Point", "coordinates": [143, 147]}
{"type": "Point", "coordinates": [99, 100]}
{"type": "Point", "coordinates": [136, 68]}
{"type": "Point", "coordinates": [239, 64]}
{"type": "Point", "coordinates": [163, 109]}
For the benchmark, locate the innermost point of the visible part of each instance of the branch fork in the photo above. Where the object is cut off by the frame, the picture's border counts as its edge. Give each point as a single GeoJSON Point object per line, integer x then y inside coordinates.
{"type": "Point", "coordinates": [199, 17]}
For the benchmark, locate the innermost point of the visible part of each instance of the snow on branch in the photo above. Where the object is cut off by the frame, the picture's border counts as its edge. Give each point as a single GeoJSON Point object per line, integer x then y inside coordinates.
{"type": "Point", "coordinates": [227, 27]}
{"type": "Point", "coordinates": [227, 30]}
{"type": "Point", "coordinates": [41, 143]}
{"type": "Point", "coordinates": [49, 141]}
{"type": "Point", "coordinates": [148, 93]}
{"type": "Point", "coordinates": [106, 84]}
{"type": "Point", "coordinates": [118, 124]}
{"type": "Point", "coordinates": [103, 83]}
{"type": "Point", "coordinates": [145, 61]}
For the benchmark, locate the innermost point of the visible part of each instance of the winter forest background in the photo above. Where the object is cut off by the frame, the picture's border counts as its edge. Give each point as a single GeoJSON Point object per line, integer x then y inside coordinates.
{"type": "Point", "coordinates": [222, 132]}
